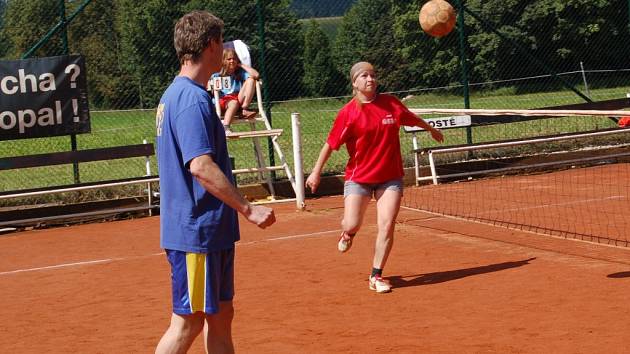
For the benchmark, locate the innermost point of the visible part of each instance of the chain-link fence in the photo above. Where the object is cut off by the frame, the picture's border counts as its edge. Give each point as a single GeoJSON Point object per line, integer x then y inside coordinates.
{"type": "Point", "coordinates": [517, 54]}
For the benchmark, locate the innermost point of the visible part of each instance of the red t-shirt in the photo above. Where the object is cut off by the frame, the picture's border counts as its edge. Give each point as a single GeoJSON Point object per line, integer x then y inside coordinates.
{"type": "Point", "coordinates": [370, 132]}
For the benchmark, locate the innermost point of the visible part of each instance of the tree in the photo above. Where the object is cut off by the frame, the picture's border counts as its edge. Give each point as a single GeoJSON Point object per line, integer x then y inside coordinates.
{"type": "Point", "coordinates": [559, 34]}
{"type": "Point", "coordinates": [4, 41]}
{"type": "Point", "coordinates": [91, 34]}
{"type": "Point", "coordinates": [320, 8]}
{"type": "Point", "coordinates": [26, 22]}
{"type": "Point", "coordinates": [366, 35]}
{"type": "Point", "coordinates": [284, 41]}
{"type": "Point", "coordinates": [146, 45]}
{"type": "Point", "coordinates": [569, 31]}
{"type": "Point", "coordinates": [320, 75]}
{"type": "Point", "coordinates": [428, 62]}
{"type": "Point", "coordinates": [493, 56]}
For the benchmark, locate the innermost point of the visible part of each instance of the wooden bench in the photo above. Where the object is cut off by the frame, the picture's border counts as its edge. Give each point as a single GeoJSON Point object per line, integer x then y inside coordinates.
{"type": "Point", "coordinates": [70, 157]}
{"type": "Point", "coordinates": [481, 116]}
{"type": "Point", "coordinates": [491, 168]}
{"type": "Point", "coordinates": [80, 156]}
{"type": "Point", "coordinates": [440, 123]}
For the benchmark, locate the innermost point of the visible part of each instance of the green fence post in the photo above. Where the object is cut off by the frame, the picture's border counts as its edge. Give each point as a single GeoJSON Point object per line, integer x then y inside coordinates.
{"type": "Point", "coordinates": [54, 30]}
{"type": "Point", "coordinates": [464, 63]}
{"type": "Point", "coordinates": [265, 82]}
{"type": "Point", "coordinates": [64, 41]}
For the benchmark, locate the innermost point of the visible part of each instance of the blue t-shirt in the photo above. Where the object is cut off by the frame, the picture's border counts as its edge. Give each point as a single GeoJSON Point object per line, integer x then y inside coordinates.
{"type": "Point", "coordinates": [235, 84]}
{"type": "Point", "coordinates": [191, 219]}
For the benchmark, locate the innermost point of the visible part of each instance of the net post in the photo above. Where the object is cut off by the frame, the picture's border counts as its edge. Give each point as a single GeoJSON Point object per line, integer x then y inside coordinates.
{"type": "Point", "coordinates": [414, 141]}
{"type": "Point", "coordinates": [588, 93]}
{"type": "Point", "coordinates": [147, 164]}
{"type": "Point", "coordinates": [297, 160]}
{"type": "Point", "coordinates": [432, 165]}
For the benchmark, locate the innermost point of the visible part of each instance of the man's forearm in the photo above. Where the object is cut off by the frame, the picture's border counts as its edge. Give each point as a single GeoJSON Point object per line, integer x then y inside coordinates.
{"type": "Point", "coordinates": [213, 180]}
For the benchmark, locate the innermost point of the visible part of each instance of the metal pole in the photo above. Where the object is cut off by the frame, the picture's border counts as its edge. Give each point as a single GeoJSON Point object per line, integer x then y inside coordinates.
{"type": "Point", "coordinates": [434, 175]}
{"type": "Point", "coordinates": [464, 65]}
{"type": "Point", "coordinates": [64, 26]}
{"type": "Point", "coordinates": [147, 165]}
{"type": "Point", "coordinates": [588, 93]}
{"type": "Point", "coordinates": [54, 30]}
{"type": "Point", "coordinates": [297, 160]}
{"type": "Point", "coordinates": [263, 73]}
{"type": "Point", "coordinates": [64, 41]}
{"type": "Point", "coordinates": [416, 159]}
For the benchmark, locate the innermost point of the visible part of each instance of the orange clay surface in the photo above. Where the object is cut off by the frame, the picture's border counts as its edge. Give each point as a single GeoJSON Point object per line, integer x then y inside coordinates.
{"type": "Point", "coordinates": [459, 287]}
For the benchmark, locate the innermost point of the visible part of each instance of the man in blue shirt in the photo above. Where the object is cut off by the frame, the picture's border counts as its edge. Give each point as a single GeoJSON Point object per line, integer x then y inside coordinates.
{"type": "Point", "coordinates": [199, 202]}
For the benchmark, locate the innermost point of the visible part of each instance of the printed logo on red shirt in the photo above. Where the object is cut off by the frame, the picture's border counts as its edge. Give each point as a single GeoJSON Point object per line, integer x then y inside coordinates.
{"type": "Point", "coordinates": [389, 119]}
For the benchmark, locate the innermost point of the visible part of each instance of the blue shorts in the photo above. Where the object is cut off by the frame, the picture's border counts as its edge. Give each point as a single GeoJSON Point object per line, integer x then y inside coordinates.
{"type": "Point", "coordinates": [368, 189]}
{"type": "Point", "coordinates": [200, 281]}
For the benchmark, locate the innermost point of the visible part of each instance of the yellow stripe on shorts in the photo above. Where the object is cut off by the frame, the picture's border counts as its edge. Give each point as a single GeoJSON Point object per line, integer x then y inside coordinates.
{"type": "Point", "coordinates": [196, 270]}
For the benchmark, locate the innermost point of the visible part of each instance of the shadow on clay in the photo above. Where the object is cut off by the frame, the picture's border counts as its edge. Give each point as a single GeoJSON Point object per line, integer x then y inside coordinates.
{"type": "Point", "coordinates": [439, 277]}
{"type": "Point", "coordinates": [619, 275]}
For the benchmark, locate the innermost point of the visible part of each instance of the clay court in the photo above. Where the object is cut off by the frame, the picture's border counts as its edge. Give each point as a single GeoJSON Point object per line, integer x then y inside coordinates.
{"type": "Point", "coordinates": [459, 287]}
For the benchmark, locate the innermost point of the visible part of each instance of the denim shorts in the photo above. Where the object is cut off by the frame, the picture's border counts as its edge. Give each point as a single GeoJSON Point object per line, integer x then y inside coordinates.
{"type": "Point", "coordinates": [368, 189]}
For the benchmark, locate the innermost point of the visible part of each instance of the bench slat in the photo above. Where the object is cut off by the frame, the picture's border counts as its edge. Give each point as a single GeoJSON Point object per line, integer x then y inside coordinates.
{"type": "Point", "coordinates": [255, 134]}
{"type": "Point", "coordinates": [68, 157]}
{"type": "Point", "coordinates": [532, 138]}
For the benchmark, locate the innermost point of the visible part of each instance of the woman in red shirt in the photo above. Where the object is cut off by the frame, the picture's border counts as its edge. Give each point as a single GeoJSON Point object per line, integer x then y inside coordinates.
{"type": "Point", "coordinates": [369, 126]}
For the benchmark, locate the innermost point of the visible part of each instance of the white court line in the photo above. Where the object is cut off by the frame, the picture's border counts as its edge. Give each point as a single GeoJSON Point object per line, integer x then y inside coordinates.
{"type": "Point", "coordinates": [66, 265]}
{"type": "Point", "coordinates": [285, 237]}
{"type": "Point", "coordinates": [58, 266]}
{"type": "Point", "coordinates": [107, 260]}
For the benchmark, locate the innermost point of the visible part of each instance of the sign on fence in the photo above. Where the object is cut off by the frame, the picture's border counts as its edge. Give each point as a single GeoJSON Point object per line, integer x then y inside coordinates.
{"type": "Point", "coordinates": [443, 123]}
{"type": "Point", "coordinates": [43, 97]}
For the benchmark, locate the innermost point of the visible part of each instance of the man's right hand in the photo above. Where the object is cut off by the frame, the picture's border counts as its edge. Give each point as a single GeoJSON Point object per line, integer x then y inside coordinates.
{"type": "Point", "coordinates": [261, 216]}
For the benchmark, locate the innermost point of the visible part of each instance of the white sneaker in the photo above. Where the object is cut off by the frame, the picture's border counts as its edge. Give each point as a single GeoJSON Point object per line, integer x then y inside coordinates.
{"type": "Point", "coordinates": [380, 285]}
{"type": "Point", "coordinates": [345, 242]}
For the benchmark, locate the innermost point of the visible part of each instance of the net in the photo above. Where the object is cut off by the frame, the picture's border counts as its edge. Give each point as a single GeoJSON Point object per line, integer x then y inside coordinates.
{"type": "Point", "coordinates": [568, 184]}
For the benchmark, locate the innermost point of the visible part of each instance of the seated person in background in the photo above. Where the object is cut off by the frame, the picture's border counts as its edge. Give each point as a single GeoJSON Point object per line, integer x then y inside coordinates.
{"type": "Point", "coordinates": [240, 91]}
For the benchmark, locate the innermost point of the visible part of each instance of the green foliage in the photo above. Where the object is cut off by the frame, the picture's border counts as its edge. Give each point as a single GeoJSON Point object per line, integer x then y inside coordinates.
{"type": "Point", "coordinates": [320, 75]}
{"type": "Point", "coordinates": [353, 39]}
{"type": "Point", "coordinates": [130, 127]}
{"type": "Point", "coordinates": [387, 34]}
{"type": "Point", "coordinates": [130, 56]}
{"type": "Point", "coordinates": [320, 8]}
{"type": "Point", "coordinates": [146, 45]}
{"type": "Point", "coordinates": [91, 35]}
{"type": "Point", "coordinates": [282, 55]}
{"type": "Point", "coordinates": [4, 41]}
{"type": "Point", "coordinates": [329, 25]}
{"type": "Point", "coordinates": [26, 22]}
{"type": "Point", "coordinates": [560, 34]}
{"type": "Point", "coordinates": [431, 62]}
{"type": "Point", "coordinates": [284, 47]}
{"type": "Point", "coordinates": [490, 55]}
{"type": "Point", "coordinates": [128, 46]}
{"type": "Point", "coordinates": [570, 31]}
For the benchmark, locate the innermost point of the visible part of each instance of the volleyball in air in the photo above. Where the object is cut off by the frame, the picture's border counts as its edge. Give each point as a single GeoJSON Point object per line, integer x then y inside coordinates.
{"type": "Point", "coordinates": [437, 18]}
